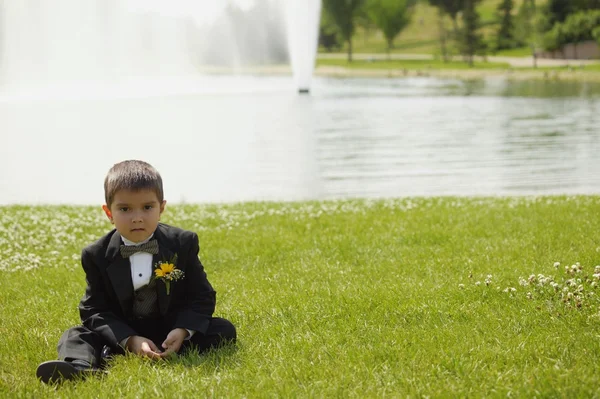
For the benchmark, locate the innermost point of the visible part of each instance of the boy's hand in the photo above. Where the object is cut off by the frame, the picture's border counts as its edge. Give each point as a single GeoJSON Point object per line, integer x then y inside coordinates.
{"type": "Point", "coordinates": [143, 347]}
{"type": "Point", "coordinates": [173, 341]}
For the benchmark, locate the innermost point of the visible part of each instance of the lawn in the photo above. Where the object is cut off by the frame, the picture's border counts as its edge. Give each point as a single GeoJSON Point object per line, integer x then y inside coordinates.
{"type": "Point", "coordinates": [409, 64]}
{"type": "Point", "coordinates": [417, 297]}
{"type": "Point", "coordinates": [456, 68]}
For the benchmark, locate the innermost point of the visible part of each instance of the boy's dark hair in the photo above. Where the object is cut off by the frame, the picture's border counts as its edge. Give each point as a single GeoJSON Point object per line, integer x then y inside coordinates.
{"type": "Point", "coordinates": [132, 175]}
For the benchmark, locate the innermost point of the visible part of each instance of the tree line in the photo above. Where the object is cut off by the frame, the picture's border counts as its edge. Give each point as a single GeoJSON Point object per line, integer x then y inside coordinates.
{"type": "Point", "coordinates": [540, 25]}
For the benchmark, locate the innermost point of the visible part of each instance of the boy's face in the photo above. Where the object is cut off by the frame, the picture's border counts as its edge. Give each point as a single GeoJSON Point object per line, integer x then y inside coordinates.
{"type": "Point", "coordinates": [135, 214]}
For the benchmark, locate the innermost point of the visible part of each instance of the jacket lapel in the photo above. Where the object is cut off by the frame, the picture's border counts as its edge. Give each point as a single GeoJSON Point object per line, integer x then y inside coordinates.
{"type": "Point", "coordinates": [164, 255]}
{"type": "Point", "coordinates": [119, 273]}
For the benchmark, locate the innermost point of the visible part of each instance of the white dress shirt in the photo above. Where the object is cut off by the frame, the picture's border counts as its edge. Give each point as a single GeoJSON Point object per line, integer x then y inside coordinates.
{"type": "Point", "coordinates": [141, 265]}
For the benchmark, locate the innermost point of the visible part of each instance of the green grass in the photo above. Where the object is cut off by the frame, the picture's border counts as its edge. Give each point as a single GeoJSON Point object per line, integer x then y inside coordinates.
{"type": "Point", "coordinates": [338, 299]}
{"type": "Point", "coordinates": [565, 70]}
{"type": "Point", "coordinates": [592, 67]}
{"type": "Point", "coordinates": [514, 52]}
{"type": "Point", "coordinates": [577, 72]}
{"type": "Point", "coordinates": [408, 64]}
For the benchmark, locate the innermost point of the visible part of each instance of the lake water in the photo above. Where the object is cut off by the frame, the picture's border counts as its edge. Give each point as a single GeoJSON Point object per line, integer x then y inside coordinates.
{"type": "Point", "coordinates": [224, 139]}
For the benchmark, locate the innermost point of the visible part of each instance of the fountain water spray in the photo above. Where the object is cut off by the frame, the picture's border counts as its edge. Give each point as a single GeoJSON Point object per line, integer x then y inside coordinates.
{"type": "Point", "coordinates": [303, 17]}
{"type": "Point", "coordinates": [87, 44]}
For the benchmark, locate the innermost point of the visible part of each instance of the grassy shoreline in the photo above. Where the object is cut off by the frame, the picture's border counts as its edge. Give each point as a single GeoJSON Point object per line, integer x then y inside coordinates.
{"type": "Point", "coordinates": [460, 70]}
{"type": "Point", "coordinates": [399, 69]}
{"type": "Point", "coordinates": [359, 298]}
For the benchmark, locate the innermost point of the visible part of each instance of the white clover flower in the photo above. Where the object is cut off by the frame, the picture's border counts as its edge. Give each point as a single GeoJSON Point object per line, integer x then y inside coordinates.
{"type": "Point", "coordinates": [542, 279]}
{"type": "Point", "coordinates": [529, 295]}
{"type": "Point", "coordinates": [556, 265]}
{"type": "Point", "coordinates": [461, 286]}
{"type": "Point", "coordinates": [523, 282]}
{"type": "Point", "coordinates": [478, 283]}
{"type": "Point", "coordinates": [574, 268]}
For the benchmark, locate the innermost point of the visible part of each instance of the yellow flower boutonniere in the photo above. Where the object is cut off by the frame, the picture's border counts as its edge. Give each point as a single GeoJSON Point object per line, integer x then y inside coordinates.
{"type": "Point", "coordinates": [168, 272]}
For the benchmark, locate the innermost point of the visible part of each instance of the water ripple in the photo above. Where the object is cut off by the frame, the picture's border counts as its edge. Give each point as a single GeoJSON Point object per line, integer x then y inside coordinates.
{"type": "Point", "coordinates": [349, 138]}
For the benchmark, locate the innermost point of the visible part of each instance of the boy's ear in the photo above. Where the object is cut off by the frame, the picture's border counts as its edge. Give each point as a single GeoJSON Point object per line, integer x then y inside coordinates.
{"type": "Point", "coordinates": [108, 213]}
{"type": "Point", "coordinates": [162, 207]}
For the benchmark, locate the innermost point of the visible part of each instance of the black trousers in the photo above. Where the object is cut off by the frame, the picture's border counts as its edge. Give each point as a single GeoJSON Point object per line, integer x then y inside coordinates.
{"type": "Point", "coordinates": [79, 343]}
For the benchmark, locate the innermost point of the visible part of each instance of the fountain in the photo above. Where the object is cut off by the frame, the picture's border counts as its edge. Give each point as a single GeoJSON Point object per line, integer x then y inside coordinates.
{"type": "Point", "coordinates": [303, 36]}
{"type": "Point", "coordinates": [95, 43]}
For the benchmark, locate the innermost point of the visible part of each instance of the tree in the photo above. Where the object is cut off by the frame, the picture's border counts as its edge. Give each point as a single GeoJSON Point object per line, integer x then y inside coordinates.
{"type": "Point", "coordinates": [506, 33]}
{"type": "Point", "coordinates": [443, 36]}
{"type": "Point", "coordinates": [555, 38]}
{"type": "Point", "coordinates": [364, 21]}
{"type": "Point", "coordinates": [561, 27]}
{"type": "Point", "coordinates": [328, 33]}
{"type": "Point", "coordinates": [592, 4]}
{"type": "Point", "coordinates": [391, 17]}
{"type": "Point", "coordinates": [578, 27]}
{"type": "Point", "coordinates": [558, 10]}
{"type": "Point", "coordinates": [451, 8]}
{"type": "Point", "coordinates": [344, 13]}
{"type": "Point", "coordinates": [471, 41]}
{"type": "Point", "coordinates": [526, 31]}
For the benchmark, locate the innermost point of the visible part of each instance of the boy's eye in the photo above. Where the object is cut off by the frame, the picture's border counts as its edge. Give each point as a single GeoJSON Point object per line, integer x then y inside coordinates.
{"type": "Point", "coordinates": [123, 209]}
{"type": "Point", "coordinates": [148, 207]}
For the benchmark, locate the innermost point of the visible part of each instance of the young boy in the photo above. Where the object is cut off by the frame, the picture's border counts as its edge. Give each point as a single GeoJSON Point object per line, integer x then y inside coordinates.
{"type": "Point", "coordinates": [147, 292]}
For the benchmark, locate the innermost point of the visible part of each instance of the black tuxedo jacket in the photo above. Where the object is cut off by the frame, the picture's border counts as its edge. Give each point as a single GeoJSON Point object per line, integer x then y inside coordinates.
{"type": "Point", "coordinates": [106, 307]}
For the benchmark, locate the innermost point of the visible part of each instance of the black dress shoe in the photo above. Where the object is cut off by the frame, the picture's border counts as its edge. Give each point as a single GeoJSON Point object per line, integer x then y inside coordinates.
{"type": "Point", "coordinates": [59, 370]}
{"type": "Point", "coordinates": [106, 355]}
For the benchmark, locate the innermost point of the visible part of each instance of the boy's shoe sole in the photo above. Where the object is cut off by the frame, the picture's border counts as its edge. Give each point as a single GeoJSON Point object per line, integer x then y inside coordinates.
{"type": "Point", "coordinates": [57, 370]}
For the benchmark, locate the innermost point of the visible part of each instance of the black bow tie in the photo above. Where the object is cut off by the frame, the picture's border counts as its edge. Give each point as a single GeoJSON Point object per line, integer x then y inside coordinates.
{"type": "Point", "coordinates": [151, 247]}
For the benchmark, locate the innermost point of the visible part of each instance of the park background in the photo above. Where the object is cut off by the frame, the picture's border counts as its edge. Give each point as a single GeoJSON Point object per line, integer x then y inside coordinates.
{"type": "Point", "coordinates": [422, 223]}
